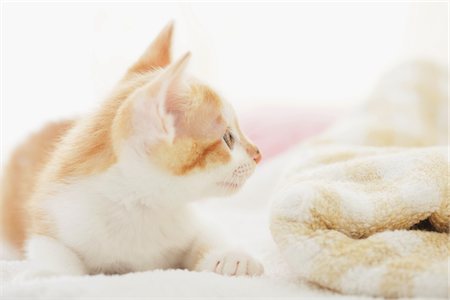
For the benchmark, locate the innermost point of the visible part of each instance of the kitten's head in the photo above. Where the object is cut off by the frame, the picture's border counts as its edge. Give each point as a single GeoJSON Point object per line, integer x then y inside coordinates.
{"type": "Point", "coordinates": [173, 123]}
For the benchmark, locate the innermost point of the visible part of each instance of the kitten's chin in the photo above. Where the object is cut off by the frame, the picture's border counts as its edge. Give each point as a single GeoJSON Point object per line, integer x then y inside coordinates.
{"type": "Point", "coordinates": [229, 188]}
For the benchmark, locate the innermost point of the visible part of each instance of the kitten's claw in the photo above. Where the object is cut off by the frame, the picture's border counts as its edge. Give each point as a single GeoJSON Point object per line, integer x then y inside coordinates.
{"type": "Point", "coordinates": [231, 263]}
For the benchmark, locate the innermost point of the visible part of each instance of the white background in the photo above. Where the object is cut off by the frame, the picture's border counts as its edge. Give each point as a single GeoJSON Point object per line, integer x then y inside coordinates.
{"type": "Point", "coordinates": [60, 59]}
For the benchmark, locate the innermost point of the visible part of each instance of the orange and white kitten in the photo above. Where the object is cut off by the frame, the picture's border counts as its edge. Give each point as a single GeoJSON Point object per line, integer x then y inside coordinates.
{"type": "Point", "coordinates": [112, 192]}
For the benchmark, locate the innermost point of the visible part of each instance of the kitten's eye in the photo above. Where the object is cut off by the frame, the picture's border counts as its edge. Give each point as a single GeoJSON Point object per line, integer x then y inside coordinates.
{"type": "Point", "coordinates": [229, 139]}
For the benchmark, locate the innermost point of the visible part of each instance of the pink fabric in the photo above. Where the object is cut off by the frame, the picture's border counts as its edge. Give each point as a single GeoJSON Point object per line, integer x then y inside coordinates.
{"type": "Point", "coordinates": [275, 130]}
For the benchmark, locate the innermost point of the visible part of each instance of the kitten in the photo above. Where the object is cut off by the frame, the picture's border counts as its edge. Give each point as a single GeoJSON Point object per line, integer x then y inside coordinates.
{"type": "Point", "coordinates": [112, 192]}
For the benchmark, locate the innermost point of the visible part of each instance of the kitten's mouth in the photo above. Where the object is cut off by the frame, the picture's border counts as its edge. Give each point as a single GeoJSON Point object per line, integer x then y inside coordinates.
{"type": "Point", "coordinates": [238, 178]}
{"type": "Point", "coordinates": [232, 186]}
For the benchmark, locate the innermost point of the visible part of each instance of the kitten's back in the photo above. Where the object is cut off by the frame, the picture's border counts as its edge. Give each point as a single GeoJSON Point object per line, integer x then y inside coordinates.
{"type": "Point", "coordinates": [19, 179]}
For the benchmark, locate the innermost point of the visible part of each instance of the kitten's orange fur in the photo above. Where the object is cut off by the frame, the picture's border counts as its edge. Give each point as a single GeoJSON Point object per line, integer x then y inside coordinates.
{"type": "Point", "coordinates": [19, 179]}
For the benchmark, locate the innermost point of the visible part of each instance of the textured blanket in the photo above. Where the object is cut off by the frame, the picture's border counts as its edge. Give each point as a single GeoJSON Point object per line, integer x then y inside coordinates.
{"type": "Point", "coordinates": [364, 209]}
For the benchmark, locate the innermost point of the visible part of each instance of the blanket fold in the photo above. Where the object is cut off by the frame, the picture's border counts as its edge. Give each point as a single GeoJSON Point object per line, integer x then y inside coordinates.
{"type": "Point", "coordinates": [364, 208]}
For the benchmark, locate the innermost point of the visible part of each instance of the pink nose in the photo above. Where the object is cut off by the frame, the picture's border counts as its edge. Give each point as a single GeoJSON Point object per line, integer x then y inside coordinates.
{"type": "Point", "coordinates": [253, 152]}
{"type": "Point", "coordinates": [257, 155]}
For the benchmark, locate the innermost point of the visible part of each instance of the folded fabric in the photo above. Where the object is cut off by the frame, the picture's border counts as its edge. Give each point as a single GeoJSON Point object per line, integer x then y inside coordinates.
{"type": "Point", "coordinates": [364, 209]}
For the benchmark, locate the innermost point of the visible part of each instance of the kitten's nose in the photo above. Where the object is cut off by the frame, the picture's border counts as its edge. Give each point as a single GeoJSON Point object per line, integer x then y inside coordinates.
{"type": "Point", "coordinates": [257, 155]}
{"type": "Point", "coordinates": [253, 152]}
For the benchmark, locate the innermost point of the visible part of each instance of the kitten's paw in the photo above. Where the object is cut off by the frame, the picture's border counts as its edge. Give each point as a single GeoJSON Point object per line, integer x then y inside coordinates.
{"type": "Point", "coordinates": [231, 263]}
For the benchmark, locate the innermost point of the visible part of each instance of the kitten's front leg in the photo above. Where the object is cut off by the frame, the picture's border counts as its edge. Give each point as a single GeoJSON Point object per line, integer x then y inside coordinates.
{"type": "Point", "coordinates": [49, 257]}
{"type": "Point", "coordinates": [205, 256]}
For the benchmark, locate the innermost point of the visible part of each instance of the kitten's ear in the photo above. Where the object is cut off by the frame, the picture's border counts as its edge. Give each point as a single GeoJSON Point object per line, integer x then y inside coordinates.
{"type": "Point", "coordinates": [158, 102]}
{"type": "Point", "coordinates": [157, 54]}
{"type": "Point", "coordinates": [175, 71]}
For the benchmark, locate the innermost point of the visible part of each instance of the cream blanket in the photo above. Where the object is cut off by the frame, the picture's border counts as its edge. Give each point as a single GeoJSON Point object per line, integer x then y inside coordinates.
{"type": "Point", "coordinates": [365, 209]}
